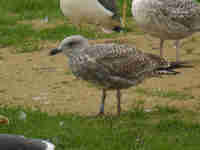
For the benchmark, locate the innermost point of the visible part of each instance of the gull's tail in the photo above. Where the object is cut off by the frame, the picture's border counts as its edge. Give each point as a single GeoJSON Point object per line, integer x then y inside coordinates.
{"type": "Point", "coordinates": [170, 70]}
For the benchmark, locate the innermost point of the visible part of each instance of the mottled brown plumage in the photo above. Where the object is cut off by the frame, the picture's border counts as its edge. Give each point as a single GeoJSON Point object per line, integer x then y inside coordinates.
{"type": "Point", "coordinates": [111, 66]}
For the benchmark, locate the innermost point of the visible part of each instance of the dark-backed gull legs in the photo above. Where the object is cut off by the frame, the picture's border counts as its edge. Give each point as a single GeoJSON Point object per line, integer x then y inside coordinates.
{"type": "Point", "coordinates": [101, 112]}
{"type": "Point", "coordinates": [118, 101]}
{"type": "Point", "coordinates": [118, 96]}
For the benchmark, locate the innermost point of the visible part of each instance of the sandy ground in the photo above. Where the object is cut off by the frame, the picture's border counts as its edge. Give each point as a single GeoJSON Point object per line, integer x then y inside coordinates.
{"type": "Point", "coordinates": [36, 80]}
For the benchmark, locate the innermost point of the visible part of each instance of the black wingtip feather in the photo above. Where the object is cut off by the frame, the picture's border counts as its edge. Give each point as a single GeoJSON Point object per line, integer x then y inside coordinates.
{"type": "Point", "coordinates": [180, 64]}
{"type": "Point", "coordinates": [170, 70]}
{"type": "Point", "coordinates": [166, 71]}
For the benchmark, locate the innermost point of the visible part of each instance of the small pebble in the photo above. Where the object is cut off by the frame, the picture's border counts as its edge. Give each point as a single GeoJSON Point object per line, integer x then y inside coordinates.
{"type": "Point", "coordinates": [22, 115]}
{"type": "Point", "coordinates": [61, 123]}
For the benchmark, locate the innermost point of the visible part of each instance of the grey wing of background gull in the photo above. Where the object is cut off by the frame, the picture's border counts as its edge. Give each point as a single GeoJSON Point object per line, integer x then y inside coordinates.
{"type": "Point", "coordinates": [111, 5]}
{"type": "Point", "coordinates": [185, 13]}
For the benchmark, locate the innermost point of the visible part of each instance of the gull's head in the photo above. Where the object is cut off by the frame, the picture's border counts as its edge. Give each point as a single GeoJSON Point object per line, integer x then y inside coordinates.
{"type": "Point", "coordinates": [70, 44]}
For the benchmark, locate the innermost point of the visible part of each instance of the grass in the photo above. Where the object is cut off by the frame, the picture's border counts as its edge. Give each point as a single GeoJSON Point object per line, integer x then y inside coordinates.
{"type": "Point", "coordinates": [163, 128]}
{"type": "Point", "coordinates": [19, 35]}
{"type": "Point", "coordinates": [27, 8]}
{"type": "Point", "coordinates": [15, 34]}
{"type": "Point", "coordinates": [135, 130]}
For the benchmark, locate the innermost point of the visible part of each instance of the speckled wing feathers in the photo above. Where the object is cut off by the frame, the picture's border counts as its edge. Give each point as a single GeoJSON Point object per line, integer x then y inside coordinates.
{"type": "Point", "coordinates": [123, 61]}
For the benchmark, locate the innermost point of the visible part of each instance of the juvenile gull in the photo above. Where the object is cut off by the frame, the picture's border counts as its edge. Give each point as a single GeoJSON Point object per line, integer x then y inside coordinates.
{"type": "Point", "coordinates": [111, 66]}
{"type": "Point", "coordinates": [17, 142]}
{"type": "Point", "coordinates": [168, 19]}
{"type": "Point", "coordinates": [103, 12]}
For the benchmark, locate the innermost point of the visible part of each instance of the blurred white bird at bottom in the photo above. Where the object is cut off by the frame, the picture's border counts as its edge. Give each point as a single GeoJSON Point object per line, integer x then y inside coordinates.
{"type": "Point", "coordinates": [19, 142]}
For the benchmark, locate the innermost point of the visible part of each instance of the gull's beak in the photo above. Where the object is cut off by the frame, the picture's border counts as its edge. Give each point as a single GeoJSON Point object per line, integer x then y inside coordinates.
{"type": "Point", "coordinates": [55, 51]}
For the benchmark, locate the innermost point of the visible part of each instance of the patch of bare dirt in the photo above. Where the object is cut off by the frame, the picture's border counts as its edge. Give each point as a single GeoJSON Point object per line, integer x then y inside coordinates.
{"type": "Point", "coordinates": [37, 80]}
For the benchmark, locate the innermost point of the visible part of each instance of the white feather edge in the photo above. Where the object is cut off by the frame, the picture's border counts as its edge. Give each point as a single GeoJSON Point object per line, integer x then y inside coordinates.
{"type": "Point", "coordinates": [110, 13]}
{"type": "Point", "coordinates": [49, 145]}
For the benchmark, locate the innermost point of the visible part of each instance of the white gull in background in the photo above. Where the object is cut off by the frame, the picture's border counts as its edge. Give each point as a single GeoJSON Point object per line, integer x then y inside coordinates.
{"type": "Point", "coordinates": [101, 12]}
{"type": "Point", "coordinates": [168, 19]}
